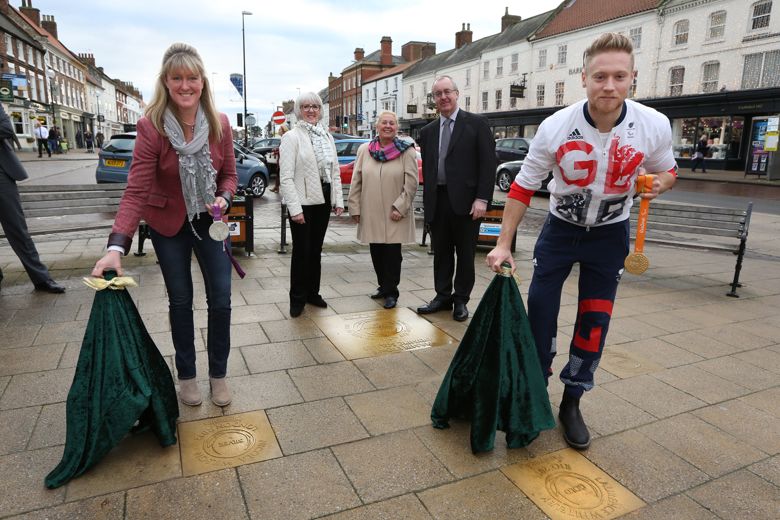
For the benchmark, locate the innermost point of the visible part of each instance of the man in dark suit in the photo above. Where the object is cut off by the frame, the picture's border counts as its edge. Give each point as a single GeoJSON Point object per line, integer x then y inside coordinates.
{"type": "Point", "coordinates": [12, 216]}
{"type": "Point", "coordinates": [459, 168]}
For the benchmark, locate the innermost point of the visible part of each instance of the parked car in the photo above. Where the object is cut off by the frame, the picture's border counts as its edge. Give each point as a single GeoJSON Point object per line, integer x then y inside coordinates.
{"type": "Point", "coordinates": [115, 157]}
{"type": "Point", "coordinates": [512, 149]}
{"type": "Point", "coordinates": [250, 153]}
{"type": "Point", "coordinates": [252, 173]}
{"type": "Point", "coordinates": [506, 173]}
{"type": "Point", "coordinates": [347, 149]}
{"type": "Point", "coordinates": [347, 169]}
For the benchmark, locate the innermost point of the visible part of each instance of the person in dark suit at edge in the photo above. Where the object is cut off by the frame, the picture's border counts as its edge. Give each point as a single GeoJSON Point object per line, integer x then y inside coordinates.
{"type": "Point", "coordinates": [458, 182]}
{"type": "Point", "coordinates": [11, 213]}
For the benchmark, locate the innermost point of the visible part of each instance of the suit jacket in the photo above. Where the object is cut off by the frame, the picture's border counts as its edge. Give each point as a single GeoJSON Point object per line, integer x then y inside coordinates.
{"type": "Point", "coordinates": [470, 163]}
{"type": "Point", "coordinates": [9, 162]}
{"type": "Point", "coordinates": [153, 190]}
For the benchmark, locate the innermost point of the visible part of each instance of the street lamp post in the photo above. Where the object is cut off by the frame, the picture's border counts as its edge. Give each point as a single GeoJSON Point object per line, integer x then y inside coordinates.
{"type": "Point", "coordinates": [51, 75]}
{"type": "Point", "coordinates": [243, 86]}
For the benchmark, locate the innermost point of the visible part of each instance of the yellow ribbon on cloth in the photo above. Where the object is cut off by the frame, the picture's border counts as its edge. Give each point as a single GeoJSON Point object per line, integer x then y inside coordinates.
{"type": "Point", "coordinates": [118, 283]}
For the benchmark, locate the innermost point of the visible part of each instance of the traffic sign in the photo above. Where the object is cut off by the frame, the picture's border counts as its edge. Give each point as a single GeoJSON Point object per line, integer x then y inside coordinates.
{"type": "Point", "coordinates": [278, 117]}
{"type": "Point", "coordinates": [250, 120]}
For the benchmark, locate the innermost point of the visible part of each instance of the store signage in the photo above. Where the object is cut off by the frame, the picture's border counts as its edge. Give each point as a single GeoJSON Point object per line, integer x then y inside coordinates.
{"type": "Point", "coordinates": [6, 91]}
{"type": "Point", "coordinates": [411, 109]}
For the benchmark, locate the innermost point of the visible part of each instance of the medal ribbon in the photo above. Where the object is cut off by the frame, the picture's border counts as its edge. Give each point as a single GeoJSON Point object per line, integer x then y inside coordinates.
{"type": "Point", "coordinates": [217, 212]}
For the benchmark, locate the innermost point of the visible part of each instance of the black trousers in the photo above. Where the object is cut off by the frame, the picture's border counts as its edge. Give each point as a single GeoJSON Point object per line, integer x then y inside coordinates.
{"type": "Point", "coordinates": [307, 239]}
{"type": "Point", "coordinates": [452, 236]}
{"type": "Point", "coordinates": [43, 145]}
{"type": "Point", "coordinates": [387, 260]}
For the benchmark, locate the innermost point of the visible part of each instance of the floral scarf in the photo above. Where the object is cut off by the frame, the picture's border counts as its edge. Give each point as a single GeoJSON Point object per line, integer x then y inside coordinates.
{"type": "Point", "coordinates": [320, 141]}
{"type": "Point", "coordinates": [389, 152]}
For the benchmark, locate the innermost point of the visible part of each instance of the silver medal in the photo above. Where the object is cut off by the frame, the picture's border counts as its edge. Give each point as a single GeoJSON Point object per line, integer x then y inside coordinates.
{"type": "Point", "coordinates": [219, 231]}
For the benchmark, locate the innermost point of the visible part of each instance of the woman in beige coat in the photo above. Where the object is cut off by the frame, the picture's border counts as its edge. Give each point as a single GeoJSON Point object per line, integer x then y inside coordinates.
{"type": "Point", "coordinates": [384, 182]}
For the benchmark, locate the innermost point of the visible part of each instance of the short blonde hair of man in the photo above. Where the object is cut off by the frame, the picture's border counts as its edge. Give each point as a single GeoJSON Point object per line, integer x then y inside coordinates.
{"type": "Point", "coordinates": [385, 113]}
{"type": "Point", "coordinates": [605, 43]}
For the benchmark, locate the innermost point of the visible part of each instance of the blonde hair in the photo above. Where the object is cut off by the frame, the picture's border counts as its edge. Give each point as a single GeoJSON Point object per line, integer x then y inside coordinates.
{"type": "Point", "coordinates": [385, 113]}
{"type": "Point", "coordinates": [181, 56]}
{"type": "Point", "coordinates": [608, 42]}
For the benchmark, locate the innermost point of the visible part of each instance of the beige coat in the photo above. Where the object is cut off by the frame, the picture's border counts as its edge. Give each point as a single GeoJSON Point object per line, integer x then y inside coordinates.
{"type": "Point", "coordinates": [377, 188]}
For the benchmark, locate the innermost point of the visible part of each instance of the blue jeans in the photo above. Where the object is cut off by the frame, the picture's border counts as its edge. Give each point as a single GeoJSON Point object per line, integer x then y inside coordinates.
{"type": "Point", "coordinates": [175, 257]}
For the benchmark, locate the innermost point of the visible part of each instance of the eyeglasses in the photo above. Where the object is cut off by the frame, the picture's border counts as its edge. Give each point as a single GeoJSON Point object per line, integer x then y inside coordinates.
{"type": "Point", "coordinates": [310, 108]}
{"type": "Point", "coordinates": [442, 93]}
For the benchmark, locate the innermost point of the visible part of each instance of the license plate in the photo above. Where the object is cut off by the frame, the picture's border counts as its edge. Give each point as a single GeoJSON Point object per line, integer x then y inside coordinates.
{"type": "Point", "coordinates": [116, 163]}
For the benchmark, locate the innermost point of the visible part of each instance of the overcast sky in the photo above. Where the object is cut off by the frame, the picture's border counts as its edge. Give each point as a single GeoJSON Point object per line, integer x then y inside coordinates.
{"type": "Point", "coordinates": [290, 44]}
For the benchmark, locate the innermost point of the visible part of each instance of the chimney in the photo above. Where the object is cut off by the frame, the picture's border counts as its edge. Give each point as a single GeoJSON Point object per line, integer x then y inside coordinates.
{"type": "Point", "coordinates": [4, 8]}
{"type": "Point", "coordinates": [30, 12]}
{"type": "Point", "coordinates": [428, 50]}
{"type": "Point", "coordinates": [412, 51]}
{"type": "Point", "coordinates": [50, 25]}
{"type": "Point", "coordinates": [359, 53]}
{"type": "Point", "coordinates": [386, 55]}
{"type": "Point", "coordinates": [508, 20]}
{"type": "Point", "coordinates": [88, 59]}
{"type": "Point", "coordinates": [463, 37]}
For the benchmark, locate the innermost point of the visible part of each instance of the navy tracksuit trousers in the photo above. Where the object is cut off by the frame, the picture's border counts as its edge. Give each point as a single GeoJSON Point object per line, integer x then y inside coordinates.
{"type": "Point", "coordinates": [600, 252]}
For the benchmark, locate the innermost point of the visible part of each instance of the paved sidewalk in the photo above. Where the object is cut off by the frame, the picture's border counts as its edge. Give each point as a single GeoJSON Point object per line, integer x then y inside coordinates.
{"type": "Point", "coordinates": [685, 414]}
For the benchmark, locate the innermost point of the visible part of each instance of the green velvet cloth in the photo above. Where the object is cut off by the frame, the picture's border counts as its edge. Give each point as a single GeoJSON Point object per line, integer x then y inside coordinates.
{"type": "Point", "coordinates": [122, 383]}
{"type": "Point", "coordinates": [495, 379]}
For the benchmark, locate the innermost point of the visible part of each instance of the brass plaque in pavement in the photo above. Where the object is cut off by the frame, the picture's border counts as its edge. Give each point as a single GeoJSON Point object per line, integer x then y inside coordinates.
{"type": "Point", "coordinates": [566, 485]}
{"type": "Point", "coordinates": [226, 442]}
{"type": "Point", "coordinates": [385, 331]}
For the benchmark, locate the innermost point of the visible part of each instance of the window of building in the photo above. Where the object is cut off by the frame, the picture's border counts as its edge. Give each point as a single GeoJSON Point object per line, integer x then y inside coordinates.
{"type": "Point", "coordinates": [540, 95]}
{"type": "Point", "coordinates": [635, 34]}
{"type": "Point", "coordinates": [512, 102]}
{"type": "Point", "coordinates": [19, 50]}
{"type": "Point", "coordinates": [368, 94]}
{"type": "Point", "coordinates": [486, 70]}
{"type": "Point", "coordinates": [717, 25]}
{"type": "Point", "coordinates": [387, 86]}
{"type": "Point", "coordinates": [559, 93]}
{"type": "Point", "coordinates": [395, 84]}
{"type": "Point", "coordinates": [676, 79]}
{"type": "Point", "coordinates": [514, 63]}
{"type": "Point", "coordinates": [499, 66]}
{"type": "Point", "coordinates": [468, 77]}
{"type": "Point", "coordinates": [562, 49]}
{"type": "Point", "coordinates": [9, 47]}
{"type": "Point", "coordinates": [425, 88]}
{"type": "Point", "coordinates": [632, 89]}
{"type": "Point", "coordinates": [542, 58]}
{"type": "Point", "coordinates": [724, 135]}
{"type": "Point", "coordinates": [680, 33]}
{"type": "Point", "coordinates": [499, 95]}
{"type": "Point", "coordinates": [710, 73]}
{"type": "Point", "coordinates": [761, 70]}
{"type": "Point", "coordinates": [411, 92]}
{"type": "Point", "coordinates": [484, 101]}
{"type": "Point", "coordinates": [468, 103]}
{"type": "Point", "coordinates": [760, 13]}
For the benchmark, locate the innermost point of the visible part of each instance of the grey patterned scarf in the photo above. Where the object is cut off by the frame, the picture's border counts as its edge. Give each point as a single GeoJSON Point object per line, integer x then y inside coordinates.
{"type": "Point", "coordinates": [197, 174]}
{"type": "Point", "coordinates": [320, 141]}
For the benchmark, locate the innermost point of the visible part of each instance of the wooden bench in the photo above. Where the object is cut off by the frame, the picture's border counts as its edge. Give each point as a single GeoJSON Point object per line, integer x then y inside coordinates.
{"type": "Point", "coordinates": [705, 227]}
{"type": "Point", "coordinates": [48, 208]}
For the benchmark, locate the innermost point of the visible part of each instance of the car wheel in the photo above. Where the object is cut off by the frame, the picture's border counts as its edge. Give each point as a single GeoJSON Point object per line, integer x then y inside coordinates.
{"type": "Point", "coordinates": [504, 180]}
{"type": "Point", "coordinates": [257, 185]}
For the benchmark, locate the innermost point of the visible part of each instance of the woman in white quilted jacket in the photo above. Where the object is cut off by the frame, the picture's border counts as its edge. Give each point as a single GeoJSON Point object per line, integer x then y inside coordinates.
{"type": "Point", "coordinates": [311, 186]}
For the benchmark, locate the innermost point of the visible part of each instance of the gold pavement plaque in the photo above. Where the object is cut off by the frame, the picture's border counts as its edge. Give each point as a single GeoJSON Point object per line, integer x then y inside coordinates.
{"type": "Point", "coordinates": [385, 331]}
{"type": "Point", "coordinates": [566, 485]}
{"type": "Point", "coordinates": [226, 442]}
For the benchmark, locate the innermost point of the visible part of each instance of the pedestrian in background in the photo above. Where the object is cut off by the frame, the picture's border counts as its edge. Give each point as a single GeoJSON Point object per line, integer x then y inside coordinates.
{"type": "Point", "coordinates": [702, 149]}
{"type": "Point", "coordinates": [42, 137]}
{"type": "Point", "coordinates": [282, 130]}
{"type": "Point", "coordinates": [54, 140]}
{"type": "Point", "coordinates": [310, 186]}
{"type": "Point", "coordinates": [381, 197]}
{"type": "Point", "coordinates": [182, 178]}
{"type": "Point", "coordinates": [99, 139]}
{"type": "Point", "coordinates": [79, 139]}
{"type": "Point", "coordinates": [12, 216]}
{"type": "Point", "coordinates": [88, 141]}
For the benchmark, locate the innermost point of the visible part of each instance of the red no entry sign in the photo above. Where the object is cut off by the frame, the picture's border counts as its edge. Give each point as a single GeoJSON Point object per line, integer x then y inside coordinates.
{"type": "Point", "coordinates": [278, 118]}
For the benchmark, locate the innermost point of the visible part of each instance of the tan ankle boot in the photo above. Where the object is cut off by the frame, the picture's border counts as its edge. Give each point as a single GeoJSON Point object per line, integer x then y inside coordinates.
{"type": "Point", "coordinates": [220, 394]}
{"type": "Point", "coordinates": [189, 393]}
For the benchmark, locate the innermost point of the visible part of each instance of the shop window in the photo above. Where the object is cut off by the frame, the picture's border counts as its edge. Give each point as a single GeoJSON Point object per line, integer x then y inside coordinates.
{"type": "Point", "coordinates": [559, 85]}
{"type": "Point", "coordinates": [761, 70]}
{"type": "Point", "coordinates": [760, 13]}
{"type": "Point", "coordinates": [680, 33]}
{"type": "Point", "coordinates": [499, 95]}
{"type": "Point", "coordinates": [540, 95]}
{"type": "Point", "coordinates": [717, 28]}
{"type": "Point", "coordinates": [710, 74]}
{"type": "Point", "coordinates": [676, 79]}
{"type": "Point", "coordinates": [636, 37]}
{"type": "Point", "coordinates": [724, 135]}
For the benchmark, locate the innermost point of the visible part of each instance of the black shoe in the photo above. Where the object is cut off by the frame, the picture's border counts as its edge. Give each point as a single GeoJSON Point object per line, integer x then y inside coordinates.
{"type": "Point", "coordinates": [376, 295]}
{"type": "Point", "coordinates": [434, 306]}
{"type": "Point", "coordinates": [574, 430]}
{"type": "Point", "coordinates": [390, 302]}
{"type": "Point", "coordinates": [317, 301]}
{"type": "Point", "coordinates": [296, 309]}
{"type": "Point", "coordinates": [461, 312]}
{"type": "Point", "coordinates": [50, 286]}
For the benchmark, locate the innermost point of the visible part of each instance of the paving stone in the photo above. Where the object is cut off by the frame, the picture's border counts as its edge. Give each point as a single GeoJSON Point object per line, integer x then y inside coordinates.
{"type": "Point", "coordinates": [490, 495]}
{"type": "Point", "coordinates": [739, 495]}
{"type": "Point", "coordinates": [749, 424]}
{"type": "Point", "coordinates": [768, 469]}
{"type": "Point", "coordinates": [25, 491]}
{"type": "Point", "coordinates": [17, 337]}
{"type": "Point", "coordinates": [61, 332]}
{"type": "Point", "coordinates": [323, 350]}
{"type": "Point", "coordinates": [390, 410]}
{"type": "Point", "coordinates": [212, 495]}
{"type": "Point", "coordinates": [398, 369]}
{"type": "Point", "coordinates": [70, 355]}
{"type": "Point", "coordinates": [297, 487]}
{"type": "Point", "coordinates": [31, 359]}
{"type": "Point", "coordinates": [621, 362]}
{"type": "Point", "coordinates": [407, 507]}
{"type": "Point", "coordinates": [607, 413]}
{"type": "Point", "coordinates": [137, 460]}
{"type": "Point", "coordinates": [678, 507]}
{"type": "Point", "coordinates": [653, 396]}
{"type": "Point", "coordinates": [255, 313]}
{"type": "Point", "coordinates": [740, 372]}
{"type": "Point", "coordinates": [16, 427]}
{"type": "Point", "coordinates": [701, 384]}
{"type": "Point", "coordinates": [260, 391]}
{"type": "Point", "coordinates": [289, 330]}
{"type": "Point", "coordinates": [661, 352]}
{"type": "Point", "coordinates": [704, 346]}
{"type": "Point", "coordinates": [765, 358]}
{"type": "Point", "coordinates": [739, 339]}
{"type": "Point", "coordinates": [399, 463]}
{"type": "Point", "coordinates": [317, 424]}
{"type": "Point", "coordinates": [50, 428]}
{"type": "Point", "coordinates": [37, 388]}
{"type": "Point", "coordinates": [330, 380]}
{"type": "Point", "coordinates": [706, 447]}
{"type": "Point", "coordinates": [438, 359]}
{"type": "Point", "coordinates": [108, 507]}
{"type": "Point", "coordinates": [647, 469]}
{"type": "Point", "coordinates": [276, 356]}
